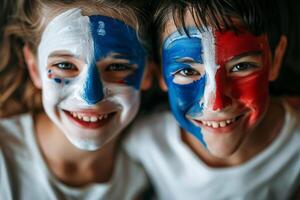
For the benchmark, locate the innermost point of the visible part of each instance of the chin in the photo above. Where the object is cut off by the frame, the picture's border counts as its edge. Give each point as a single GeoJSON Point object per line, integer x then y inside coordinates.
{"type": "Point", "coordinates": [224, 147]}
{"type": "Point", "coordinates": [88, 144]}
{"type": "Point", "coordinates": [221, 153]}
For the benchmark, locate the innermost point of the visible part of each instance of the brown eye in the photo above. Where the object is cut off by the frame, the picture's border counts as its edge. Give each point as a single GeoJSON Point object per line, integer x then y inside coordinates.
{"type": "Point", "coordinates": [188, 72]}
{"type": "Point", "coordinates": [186, 76]}
{"type": "Point", "coordinates": [243, 67]}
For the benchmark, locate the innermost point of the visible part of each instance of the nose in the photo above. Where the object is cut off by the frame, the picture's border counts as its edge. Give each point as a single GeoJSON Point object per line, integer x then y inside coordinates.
{"type": "Point", "coordinates": [222, 99]}
{"type": "Point", "coordinates": [93, 87]}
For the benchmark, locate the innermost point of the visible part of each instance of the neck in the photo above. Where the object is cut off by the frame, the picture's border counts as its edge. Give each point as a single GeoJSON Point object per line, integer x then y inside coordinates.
{"type": "Point", "coordinates": [257, 140]}
{"type": "Point", "coordinates": [69, 164]}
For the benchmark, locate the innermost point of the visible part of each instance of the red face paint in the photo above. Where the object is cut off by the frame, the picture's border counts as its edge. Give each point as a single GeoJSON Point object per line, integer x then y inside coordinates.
{"type": "Point", "coordinates": [249, 92]}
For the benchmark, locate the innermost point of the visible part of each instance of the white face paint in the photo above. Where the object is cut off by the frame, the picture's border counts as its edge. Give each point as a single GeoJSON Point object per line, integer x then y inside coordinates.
{"type": "Point", "coordinates": [209, 59]}
{"type": "Point", "coordinates": [67, 65]}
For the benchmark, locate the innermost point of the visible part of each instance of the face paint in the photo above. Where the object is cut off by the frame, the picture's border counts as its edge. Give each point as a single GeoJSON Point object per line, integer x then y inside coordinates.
{"type": "Point", "coordinates": [252, 91]}
{"type": "Point", "coordinates": [216, 92]}
{"type": "Point", "coordinates": [57, 79]}
{"type": "Point", "coordinates": [91, 69]}
{"type": "Point", "coordinates": [184, 97]}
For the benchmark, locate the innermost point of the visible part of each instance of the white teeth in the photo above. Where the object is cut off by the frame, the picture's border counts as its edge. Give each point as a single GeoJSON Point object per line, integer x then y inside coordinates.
{"type": "Point", "coordinates": [74, 114]}
{"type": "Point", "coordinates": [215, 124]}
{"type": "Point", "coordinates": [222, 124]}
{"type": "Point", "coordinates": [89, 118]}
{"type": "Point", "coordinates": [93, 119]}
{"type": "Point", "coordinates": [86, 119]}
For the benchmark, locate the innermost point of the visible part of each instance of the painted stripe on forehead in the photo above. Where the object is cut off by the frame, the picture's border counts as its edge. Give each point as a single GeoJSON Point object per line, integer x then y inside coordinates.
{"type": "Point", "coordinates": [211, 67]}
{"type": "Point", "coordinates": [111, 35]}
{"type": "Point", "coordinates": [76, 26]}
{"type": "Point", "coordinates": [180, 34]}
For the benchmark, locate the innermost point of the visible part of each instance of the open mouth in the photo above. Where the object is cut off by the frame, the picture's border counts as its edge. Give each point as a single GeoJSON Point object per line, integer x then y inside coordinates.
{"type": "Point", "coordinates": [90, 120]}
{"type": "Point", "coordinates": [219, 124]}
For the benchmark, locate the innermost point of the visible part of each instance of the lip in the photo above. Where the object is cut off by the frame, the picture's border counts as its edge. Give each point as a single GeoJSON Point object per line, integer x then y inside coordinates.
{"type": "Point", "coordinates": [88, 124]}
{"type": "Point", "coordinates": [219, 130]}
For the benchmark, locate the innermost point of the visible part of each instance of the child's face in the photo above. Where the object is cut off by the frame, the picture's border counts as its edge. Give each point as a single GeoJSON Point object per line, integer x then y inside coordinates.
{"type": "Point", "coordinates": [217, 82]}
{"type": "Point", "coordinates": [91, 69]}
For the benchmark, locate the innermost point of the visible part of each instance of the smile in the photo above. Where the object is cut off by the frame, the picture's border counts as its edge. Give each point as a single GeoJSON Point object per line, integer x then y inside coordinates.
{"type": "Point", "coordinates": [90, 120]}
{"type": "Point", "coordinates": [218, 124]}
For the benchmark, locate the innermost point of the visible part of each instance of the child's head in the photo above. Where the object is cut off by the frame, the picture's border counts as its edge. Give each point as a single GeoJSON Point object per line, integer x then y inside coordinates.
{"type": "Point", "coordinates": [217, 61]}
{"type": "Point", "coordinates": [88, 60]}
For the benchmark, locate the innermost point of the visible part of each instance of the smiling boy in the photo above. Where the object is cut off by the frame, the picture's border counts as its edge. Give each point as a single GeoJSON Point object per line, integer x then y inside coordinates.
{"type": "Point", "coordinates": [235, 142]}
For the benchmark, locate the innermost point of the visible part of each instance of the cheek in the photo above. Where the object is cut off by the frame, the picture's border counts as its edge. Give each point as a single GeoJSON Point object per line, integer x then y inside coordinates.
{"type": "Point", "coordinates": [125, 96]}
{"type": "Point", "coordinates": [186, 98]}
{"type": "Point", "coordinates": [52, 89]}
{"type": "Point", "coordinates": [253, 93]}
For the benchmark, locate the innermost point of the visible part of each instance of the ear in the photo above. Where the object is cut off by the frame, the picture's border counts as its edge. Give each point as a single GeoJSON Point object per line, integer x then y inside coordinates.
{"type": "Point", "coordinates": [278, 57]}
{"type": "Point", "coordinates": [148, 75]}
{"type": "Point", "coordinates": [162, 83]}
{"type": "Point", "coordinates": [31, 62]}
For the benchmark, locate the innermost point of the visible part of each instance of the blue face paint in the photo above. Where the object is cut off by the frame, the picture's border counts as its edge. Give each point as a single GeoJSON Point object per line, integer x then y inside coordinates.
{"type": "Point", "coordinates": [184, 99]}
{"type": "Point", "coordinates": [57, 80]}
{"type": "Point", "coordinates": [93, 88]}
{"type": "Point", "coordinates": [114, 36]}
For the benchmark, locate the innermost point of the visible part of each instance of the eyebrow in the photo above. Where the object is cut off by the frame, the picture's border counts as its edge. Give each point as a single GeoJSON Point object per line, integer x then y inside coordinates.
{"type": "Point", "coordinates": [187, 60]}
{"type": "Point", "coordinates": [250, 53]}
{"type": "Point", "coordinates": [62, 54]}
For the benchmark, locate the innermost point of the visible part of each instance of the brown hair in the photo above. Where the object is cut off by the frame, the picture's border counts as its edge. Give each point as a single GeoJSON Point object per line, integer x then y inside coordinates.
{"type": "Point", "coordinates": [18, 94]}
{"type": "Point", "coordinates": [258, 16]}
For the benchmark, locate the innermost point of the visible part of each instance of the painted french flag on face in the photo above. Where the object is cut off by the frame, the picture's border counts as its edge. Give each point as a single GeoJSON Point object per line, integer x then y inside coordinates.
{"type": "Point", "coordinates": [207, 54]}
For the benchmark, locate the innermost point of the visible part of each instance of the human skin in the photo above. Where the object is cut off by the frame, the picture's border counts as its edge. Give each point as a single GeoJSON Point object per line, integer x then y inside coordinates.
{"type": "Point", "coordinates": [218, 85]}
{"type": "Point", "coordinates": [90, 76]}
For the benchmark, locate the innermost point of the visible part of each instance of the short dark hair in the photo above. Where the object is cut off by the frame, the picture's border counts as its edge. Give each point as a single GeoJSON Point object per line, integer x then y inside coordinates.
{"type": "Point", "coordinates": [258, 16]}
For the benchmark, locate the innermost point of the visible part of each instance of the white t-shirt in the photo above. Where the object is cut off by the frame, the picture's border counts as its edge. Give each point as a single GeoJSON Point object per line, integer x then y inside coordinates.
{"type": "Point", "coordinates": [25, 175]}
{"type": "Point", "coordinates": [178, 174]}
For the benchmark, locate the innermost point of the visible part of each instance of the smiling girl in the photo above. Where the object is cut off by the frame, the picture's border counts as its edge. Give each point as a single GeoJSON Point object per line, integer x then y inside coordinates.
{"type": "Point", "coordinates": [87, 58]}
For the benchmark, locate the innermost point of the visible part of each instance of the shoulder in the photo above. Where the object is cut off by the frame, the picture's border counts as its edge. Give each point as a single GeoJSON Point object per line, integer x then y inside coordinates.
{"type": "Point", "coordinates": [14, 127]}
{"type": "Point", "coordinates": [152, 125]}
{"type": "Point", "coordinates": [148, 130]}
{"type": "Point", "coordinates": [13, 151]}
{"type": "Point", "coordinates": [292, 120]}
{"type": "Point", "coordinates": [129, 178]}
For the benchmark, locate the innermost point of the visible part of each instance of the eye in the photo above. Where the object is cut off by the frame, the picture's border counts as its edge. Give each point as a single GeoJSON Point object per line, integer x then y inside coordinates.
{"type": "Point", "coordinates": [186, 76]}
{"type": "Point", "coordinates": [65, 66]}
{"type": "Point", "coordinates": [118, 67]}
{"type": "Point", "coordinates": [242, 67]}
{"type": "Point", "coordinates": [117, 72]}
{"type": "Point", "coordinates": [187, 72]}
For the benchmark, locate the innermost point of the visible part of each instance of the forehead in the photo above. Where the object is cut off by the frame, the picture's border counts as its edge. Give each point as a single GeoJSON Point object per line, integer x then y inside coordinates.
{"type": "Point", "coordinates": [189, 21]}
{"type": "Point", "coordinates": [224, 43]}
{"type": "Point", "coordinates": [72, 31]}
